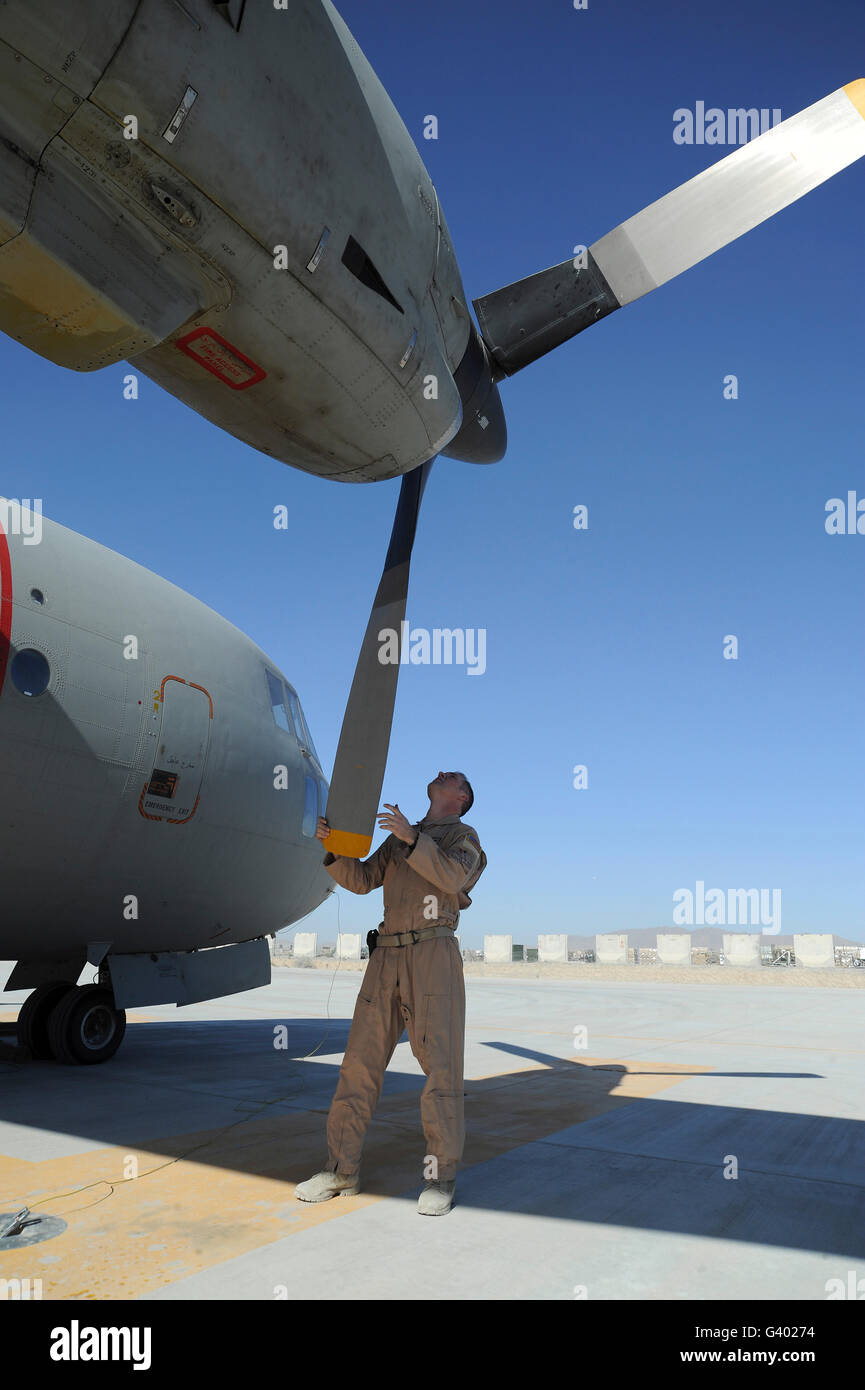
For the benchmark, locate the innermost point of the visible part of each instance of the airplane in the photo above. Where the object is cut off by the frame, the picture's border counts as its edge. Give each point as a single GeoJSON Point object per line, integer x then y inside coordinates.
{"type": "Point", "coordinates": [221, 193]}
{"type": "Point", "coordinates": [159, 793]}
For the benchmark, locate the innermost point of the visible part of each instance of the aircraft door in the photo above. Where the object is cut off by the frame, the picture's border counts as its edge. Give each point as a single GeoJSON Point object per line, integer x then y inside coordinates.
{"type": "Point", "coordinates": [172, 790]}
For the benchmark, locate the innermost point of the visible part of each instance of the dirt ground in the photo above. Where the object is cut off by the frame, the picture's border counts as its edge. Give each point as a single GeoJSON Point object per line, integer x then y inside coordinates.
{"type": "Point", "coordinates": [771, 976]}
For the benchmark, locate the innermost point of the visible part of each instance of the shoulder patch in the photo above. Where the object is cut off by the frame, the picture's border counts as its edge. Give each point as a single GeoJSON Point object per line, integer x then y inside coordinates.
{"type": "Point", "coordinates": [472, 842]}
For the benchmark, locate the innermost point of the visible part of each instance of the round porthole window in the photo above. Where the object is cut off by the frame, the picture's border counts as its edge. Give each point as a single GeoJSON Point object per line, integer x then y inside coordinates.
{"type": "Point", "coordinates": [30, 672]}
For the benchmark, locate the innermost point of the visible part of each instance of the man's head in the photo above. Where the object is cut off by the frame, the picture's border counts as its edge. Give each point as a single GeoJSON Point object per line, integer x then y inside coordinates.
{"type": "Point", "coordinates": [451, 794]}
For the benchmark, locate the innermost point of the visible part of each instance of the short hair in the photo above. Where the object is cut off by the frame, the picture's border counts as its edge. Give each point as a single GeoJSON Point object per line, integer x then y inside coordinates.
{"type": "Point", "coordinates": [468, 788]}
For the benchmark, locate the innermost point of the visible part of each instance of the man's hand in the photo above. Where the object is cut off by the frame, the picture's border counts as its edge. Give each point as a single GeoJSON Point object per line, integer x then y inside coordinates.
{"type": "Point", "coordinates": [322, 830]}
{"type": "Point", "coordinates": [392, 819]}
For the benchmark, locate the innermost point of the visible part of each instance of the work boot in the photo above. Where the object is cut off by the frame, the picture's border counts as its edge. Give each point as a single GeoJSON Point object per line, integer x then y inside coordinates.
{"type": "Point", "coordinates": [324, 1185]}
{"type": "Point", "coordinates": [437, 1197]}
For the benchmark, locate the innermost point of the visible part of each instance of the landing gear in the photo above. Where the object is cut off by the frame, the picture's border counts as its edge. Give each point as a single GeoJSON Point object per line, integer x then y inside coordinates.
{"type": "Point", "coordinates": [85, 1027]}
{"type": "Point", "coordinates": [34, 1015]}
{"type": "Point", "coordinates": [76, 1024]}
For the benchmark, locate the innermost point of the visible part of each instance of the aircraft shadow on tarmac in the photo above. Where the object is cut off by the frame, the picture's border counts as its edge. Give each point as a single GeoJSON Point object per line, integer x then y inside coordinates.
{"type": "Point", "coordinates": [551, 1139]}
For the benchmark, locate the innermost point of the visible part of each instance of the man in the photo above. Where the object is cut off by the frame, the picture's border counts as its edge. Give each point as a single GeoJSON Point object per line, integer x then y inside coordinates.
{"type": "Point", "coordinates": [414, 980]}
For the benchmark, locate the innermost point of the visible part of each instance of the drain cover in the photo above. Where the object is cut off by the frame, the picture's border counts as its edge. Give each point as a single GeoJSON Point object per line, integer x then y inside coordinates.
{"type": "Point", "coordinates": [28, 1230]}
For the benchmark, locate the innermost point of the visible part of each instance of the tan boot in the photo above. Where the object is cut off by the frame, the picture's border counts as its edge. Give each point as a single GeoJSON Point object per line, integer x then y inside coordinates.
{"type": "Point", "coordinates": [437, 1198]}
{"type": "Point", "coordinates": [324, 1185]}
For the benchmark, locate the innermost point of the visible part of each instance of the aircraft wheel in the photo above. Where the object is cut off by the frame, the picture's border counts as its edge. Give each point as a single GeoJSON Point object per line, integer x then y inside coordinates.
{"type": "Point", "coordinates": [34, 1014]}
{"type": "Point", "coordinates": [85, 1027]}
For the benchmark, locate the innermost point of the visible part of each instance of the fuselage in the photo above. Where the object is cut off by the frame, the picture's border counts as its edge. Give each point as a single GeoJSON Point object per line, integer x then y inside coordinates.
{"type": "Point", "coordinates": [158, 784]}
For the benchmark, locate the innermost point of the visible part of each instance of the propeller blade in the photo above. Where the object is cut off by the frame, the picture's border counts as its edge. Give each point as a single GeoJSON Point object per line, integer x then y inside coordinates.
{"type": "Point", "coordinates": [527, 319]}
{"type": "Point", "coordinates": [361, 755]}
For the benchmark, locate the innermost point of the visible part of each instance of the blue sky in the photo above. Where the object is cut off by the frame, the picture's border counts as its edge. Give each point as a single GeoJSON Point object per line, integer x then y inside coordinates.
{"type": "Point", "coordinates": [706, 516]}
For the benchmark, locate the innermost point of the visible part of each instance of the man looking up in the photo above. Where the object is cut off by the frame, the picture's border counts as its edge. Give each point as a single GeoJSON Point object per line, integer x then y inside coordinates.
{"type": "Point", "coordinates": [413, 980]}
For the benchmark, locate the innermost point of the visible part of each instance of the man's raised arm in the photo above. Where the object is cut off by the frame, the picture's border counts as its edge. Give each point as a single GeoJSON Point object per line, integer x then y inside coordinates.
{"type": "Point", "coordinates": [357, 877]}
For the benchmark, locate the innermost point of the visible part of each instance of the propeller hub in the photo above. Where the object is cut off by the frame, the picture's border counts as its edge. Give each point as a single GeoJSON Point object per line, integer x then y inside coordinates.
{"type": "Point", "coordinates": [483, 435]}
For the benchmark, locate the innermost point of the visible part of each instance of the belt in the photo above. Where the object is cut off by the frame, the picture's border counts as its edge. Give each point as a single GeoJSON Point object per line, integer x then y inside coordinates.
{"type": "Point", "coordinates": [409, 938]}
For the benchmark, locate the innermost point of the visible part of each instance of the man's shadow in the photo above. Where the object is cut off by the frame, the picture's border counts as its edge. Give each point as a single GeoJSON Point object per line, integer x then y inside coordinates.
{"type": "Point", "coordinates": [553, 1136]}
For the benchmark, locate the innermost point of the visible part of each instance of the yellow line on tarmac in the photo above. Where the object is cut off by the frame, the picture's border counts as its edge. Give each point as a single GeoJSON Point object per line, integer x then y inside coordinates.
{"type": "Point", "coordinates": [237, 1194]}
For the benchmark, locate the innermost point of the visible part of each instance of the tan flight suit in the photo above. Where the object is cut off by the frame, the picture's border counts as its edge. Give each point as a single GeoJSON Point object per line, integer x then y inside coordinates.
{"type": "Point", "coordinates": [418, 987]}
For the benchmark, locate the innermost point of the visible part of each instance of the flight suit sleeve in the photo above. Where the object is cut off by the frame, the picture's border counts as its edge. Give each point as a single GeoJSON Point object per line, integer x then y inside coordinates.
{"type": "Point", "coordinates": [360, 877]}
{"type": "Point", "coordinates": [446, 869]}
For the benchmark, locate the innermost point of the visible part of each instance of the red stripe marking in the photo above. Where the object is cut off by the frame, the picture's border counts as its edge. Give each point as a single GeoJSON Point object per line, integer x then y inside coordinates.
{"type": "Point", "coordinates": [217, 355]}
{"type": "Point", "coordinates": [5, 604]}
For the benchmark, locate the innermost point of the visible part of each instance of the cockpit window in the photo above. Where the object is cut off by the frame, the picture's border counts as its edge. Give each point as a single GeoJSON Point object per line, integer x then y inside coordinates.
{"type": "Point", "coordinates": [278, 705]}
{"type": "Point", "coordinates": [310, 807]}
{"type": "Point", "coordinates": [300, 723]}
{"type": "Point", "coordinates": [287, 712]}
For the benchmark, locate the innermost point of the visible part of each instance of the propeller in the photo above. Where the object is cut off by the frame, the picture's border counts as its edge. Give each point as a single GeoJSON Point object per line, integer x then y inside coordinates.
{"type": "Point", "coordinates": [527, 319]}
{"type": "Point", "coordinates": [361, 753]}
{"type": "Point", "coordinates": [524, 321]}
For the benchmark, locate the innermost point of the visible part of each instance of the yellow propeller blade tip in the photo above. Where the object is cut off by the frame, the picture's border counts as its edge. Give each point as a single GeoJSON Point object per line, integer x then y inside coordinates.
{"type": "Point", "coordinates": [856, 92]}
{"type": "Point", "coordinates": [347, 844]}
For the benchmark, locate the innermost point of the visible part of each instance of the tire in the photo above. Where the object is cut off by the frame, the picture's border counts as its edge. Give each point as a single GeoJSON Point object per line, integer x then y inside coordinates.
{"type": "Point", "coordinates": [85, 1027]}
{"type": "Point", "coordinates": [34, 1015]}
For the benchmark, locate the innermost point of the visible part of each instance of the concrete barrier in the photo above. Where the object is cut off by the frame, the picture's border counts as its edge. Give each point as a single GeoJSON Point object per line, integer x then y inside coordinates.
{"type": "Point", "coordinates": [742, 948]}
{"type": "Point", "coordinates": [498, 949]}
{"type": "Point", "coordinates": [305, 944]}
{"type": "Point", "coordinates": [348, 945]}
{"type": "Point", "coordinates": [674, 948]}
{"type": "Point", "coordinates": [611, 949]}
{"type": "Point", "coordinates": [554, 948]}
{"type": "Point", "coordinates": [814, 949]}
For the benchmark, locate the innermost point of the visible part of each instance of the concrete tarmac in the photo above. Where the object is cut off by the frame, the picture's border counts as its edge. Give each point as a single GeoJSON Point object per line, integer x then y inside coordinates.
{"type": "Point", "coordinates": [624, 1141]}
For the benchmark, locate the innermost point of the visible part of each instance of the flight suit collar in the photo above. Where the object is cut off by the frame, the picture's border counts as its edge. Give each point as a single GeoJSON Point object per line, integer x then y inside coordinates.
{"type": "Point", "coordinates": [442, 820]}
